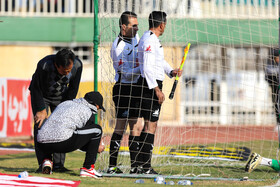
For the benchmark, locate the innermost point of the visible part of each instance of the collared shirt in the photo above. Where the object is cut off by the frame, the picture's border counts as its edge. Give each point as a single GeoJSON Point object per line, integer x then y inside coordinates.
{"type": "Point", "coordinates": [151, 59]}
{"type": "Point", "coordinates": [49, 84]}
{"type": "Point", "coordinates": [125, 61]}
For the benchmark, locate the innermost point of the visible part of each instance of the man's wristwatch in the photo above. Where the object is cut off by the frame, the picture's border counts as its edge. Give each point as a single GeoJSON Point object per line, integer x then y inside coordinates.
{"type": "Point", "coordinates": [171, 73]}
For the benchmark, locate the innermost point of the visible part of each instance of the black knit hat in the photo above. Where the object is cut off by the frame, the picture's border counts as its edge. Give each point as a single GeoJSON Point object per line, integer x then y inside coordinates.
{"type": "Point", "coordinates": [95, 98]}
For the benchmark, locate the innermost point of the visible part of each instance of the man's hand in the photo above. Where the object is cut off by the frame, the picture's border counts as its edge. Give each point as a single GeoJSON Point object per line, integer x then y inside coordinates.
{"type": "Point", "coordinates": [40, 117]}
{"type": "Point", "coordinates": [177, 72]}
{"type": "Point", "coordinates": [160, 95]}
{"type": "Point", "coordinates": [101, 147]}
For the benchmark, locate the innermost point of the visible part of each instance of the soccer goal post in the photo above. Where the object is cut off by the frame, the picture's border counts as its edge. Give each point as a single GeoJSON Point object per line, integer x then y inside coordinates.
{"type": "Point", "coordinates": [225, 104]}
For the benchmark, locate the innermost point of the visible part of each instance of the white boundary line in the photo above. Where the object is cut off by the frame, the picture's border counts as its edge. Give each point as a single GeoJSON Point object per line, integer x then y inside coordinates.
{"type": "Point", "coordinates": [17, 149]}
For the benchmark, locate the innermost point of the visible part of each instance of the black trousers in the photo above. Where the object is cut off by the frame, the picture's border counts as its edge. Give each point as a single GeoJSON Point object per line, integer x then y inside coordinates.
{"type": "Point", "coordinates": [58, 158]}
{"type": "Point", "coordinates": [86, 139]}
{"type": "Point", "coordinates": [273, 83]}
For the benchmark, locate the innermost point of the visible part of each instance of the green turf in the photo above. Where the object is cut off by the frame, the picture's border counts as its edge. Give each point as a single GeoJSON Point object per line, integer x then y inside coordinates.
{"type": "Point", "coordinates": [14, 164]}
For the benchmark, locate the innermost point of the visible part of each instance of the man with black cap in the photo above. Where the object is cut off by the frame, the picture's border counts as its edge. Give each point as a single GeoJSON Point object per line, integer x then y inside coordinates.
{"type": "Point", "coordinates": [272, 77]}
{"type": "Point", "coordinates": [72, 126]}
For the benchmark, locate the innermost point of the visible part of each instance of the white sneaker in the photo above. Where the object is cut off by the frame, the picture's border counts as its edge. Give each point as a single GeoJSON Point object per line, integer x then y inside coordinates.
{"type": "Point", "coordinates": [47, 166]}
{"type": "Point", "coordinates": [253, 161]}
{"type": "Point", "coordinates": [84, 172]}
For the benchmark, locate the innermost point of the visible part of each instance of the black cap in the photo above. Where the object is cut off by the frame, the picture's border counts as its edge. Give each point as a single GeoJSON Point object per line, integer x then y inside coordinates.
{"type": "Point", "coordinates": [95, 98]}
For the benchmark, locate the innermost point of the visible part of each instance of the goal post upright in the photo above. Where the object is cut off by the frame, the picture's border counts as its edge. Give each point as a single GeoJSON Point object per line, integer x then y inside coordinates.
{"type": "Point", "coordinates": [95, 47]}
{"type": "Point", "coordinates": [95, 44]}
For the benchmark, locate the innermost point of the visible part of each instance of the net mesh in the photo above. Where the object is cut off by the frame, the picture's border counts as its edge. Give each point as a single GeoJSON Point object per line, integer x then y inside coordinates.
{"type": "Point", "coordinates": [223, 106]}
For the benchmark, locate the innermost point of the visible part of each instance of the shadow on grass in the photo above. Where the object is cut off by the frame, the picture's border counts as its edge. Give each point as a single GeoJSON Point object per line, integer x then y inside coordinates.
{"type": "Point", "coordinates": [18, 156]}
{"type": "Point", "coordinates": [32, 172]}
{"type": "Point", "coordinates": [18, 170]}
{"type": "Point", "coordinates": [261, 173]}
{"type": "Point", "coordinates": [72, 173]}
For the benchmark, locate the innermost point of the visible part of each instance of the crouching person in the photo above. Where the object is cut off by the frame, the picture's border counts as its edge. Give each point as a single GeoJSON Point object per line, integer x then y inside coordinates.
{"type": "Point", "coordinates": [72, 126]}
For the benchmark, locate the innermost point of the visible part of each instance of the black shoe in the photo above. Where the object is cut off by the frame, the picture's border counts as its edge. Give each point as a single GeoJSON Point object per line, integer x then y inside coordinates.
{"type": "Point", "coordinates": [150, 171]}
{"type": "Point", "coordinates": [136, 170]}
{"type": "Point", "coordinates": [114, 170]}
{"type": "Point", "coordinates": [39, 170]}
{"type": "Point", "coordinates": [61, 169]}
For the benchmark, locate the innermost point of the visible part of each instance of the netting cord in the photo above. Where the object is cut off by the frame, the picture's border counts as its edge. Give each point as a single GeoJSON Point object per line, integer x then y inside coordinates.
{"type": "Point", "coordinates": [278, 104]}
{"type": "Point", "coordinates": [95, 47]}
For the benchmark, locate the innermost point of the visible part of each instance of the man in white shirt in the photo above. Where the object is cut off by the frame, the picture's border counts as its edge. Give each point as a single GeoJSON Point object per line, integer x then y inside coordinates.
{"type": "Point", "coordinates": [125, 63]}
{"type": "Point", "coordinates": [153, 68]}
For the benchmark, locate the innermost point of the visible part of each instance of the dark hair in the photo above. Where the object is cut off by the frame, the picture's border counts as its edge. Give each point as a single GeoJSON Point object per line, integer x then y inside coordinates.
{"type": "Point", "coordinates": [124, 17]}
{"type": "Point", "coordinates": [63, 57]}
{"type": "Point", "coordinates": [275, 52]}
{"type": "Point", "coordinates": [156, 18]}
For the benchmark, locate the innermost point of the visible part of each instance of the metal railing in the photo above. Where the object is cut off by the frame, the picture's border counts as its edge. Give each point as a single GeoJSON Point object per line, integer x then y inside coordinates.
{"type": "Point", "coordinates": [221, 102]}
{"type": "Point", "coordinates": [217, 86]}
{"type": "Point", "coordinates": [229, 9]}
{"type": "Point", "coordinates": [54, 8]}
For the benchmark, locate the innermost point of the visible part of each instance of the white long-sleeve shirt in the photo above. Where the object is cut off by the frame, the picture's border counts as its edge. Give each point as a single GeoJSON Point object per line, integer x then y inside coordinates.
{"type": "Point", "coordinates": [151, 59]}
{"type": "Point", "coordinates": [125, 61]}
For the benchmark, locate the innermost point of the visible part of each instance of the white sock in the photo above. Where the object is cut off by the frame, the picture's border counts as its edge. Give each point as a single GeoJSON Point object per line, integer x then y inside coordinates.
{"type": "Point", "coordinates": [266, 161]}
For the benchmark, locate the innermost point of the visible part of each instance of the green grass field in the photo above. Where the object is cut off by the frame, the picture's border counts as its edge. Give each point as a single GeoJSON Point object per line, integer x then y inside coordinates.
{"type": "Point", "coordinates": [222, 171]}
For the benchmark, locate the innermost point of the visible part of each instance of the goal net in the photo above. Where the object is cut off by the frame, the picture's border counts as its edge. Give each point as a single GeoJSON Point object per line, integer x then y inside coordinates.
{"type": "Point", "coordinates": [223, 107]}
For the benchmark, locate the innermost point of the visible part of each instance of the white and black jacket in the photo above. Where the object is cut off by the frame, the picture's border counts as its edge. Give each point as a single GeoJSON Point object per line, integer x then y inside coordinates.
{"type": "Point", "coordinates": [65, 120]}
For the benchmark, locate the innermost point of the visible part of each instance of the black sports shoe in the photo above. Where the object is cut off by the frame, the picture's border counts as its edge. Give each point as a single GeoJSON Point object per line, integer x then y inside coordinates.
{"type": "Point", "coordinates": [39, 170]}
{"type": "Point", "coordinates": [61, 169]}
{"type": "Point", "coordinates": [150, 171]}
{"type": "Point", "coordinates": [253, 161]}
{"type": "Point", "coordinates": [133, 170]}
{"type": "Point", "coordinates": [136, 170]}
{"type": "Point", "coordinates": [114, 170]}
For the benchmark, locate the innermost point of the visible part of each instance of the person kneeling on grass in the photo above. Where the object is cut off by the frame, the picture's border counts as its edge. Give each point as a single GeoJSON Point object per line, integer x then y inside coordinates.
{"type": "Point", "coordinates": [72, 126]}
{"type": "Point", "coordinates": [256, 159]}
